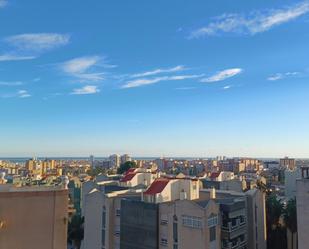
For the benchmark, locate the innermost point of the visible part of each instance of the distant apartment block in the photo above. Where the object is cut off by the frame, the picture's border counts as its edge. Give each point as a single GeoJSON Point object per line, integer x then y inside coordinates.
{"type": "Point", "coordinates": [288, 163]}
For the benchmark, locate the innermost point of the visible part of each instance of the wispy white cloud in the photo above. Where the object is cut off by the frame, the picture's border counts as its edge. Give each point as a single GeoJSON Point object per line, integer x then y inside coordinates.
{"type": "Point", "coordinates": [86, 90]}
{"type": "Point", "coordinates": [38, 42]}
{"type": "Point", "coordinates": [159, 71]}
{"type": "Point", "coordinates": [19, 94]}
{"type": "Point", "coordinates": [11, 83]}
{"type": "Point", "coordinates": [280, 76]}
{"type": "Point", "coordinates": [255, 22]}
{"type": "Point", "coordinates": [226, 87]}
{"type": "Point", "coordinates": [222, 75]}
{"type": "Point", "coordinates": [23, 94]}
{"type": "Point", "coordinates": [275, 77]}
{"type": "Point", "coordinates": [80, 65]}
{"type": "Point", "coordinates": [83, 67]}
{"type": "Point", "coordinates": [3, 3]}
{"type": "Point", "coordinates": [185, 88]}
{"type": "Point", "coordinates": [12, 57]}
{"type": "Point", "coordinates": [149, 81]}
{"type": "Point", "coordinates": [31, 46]}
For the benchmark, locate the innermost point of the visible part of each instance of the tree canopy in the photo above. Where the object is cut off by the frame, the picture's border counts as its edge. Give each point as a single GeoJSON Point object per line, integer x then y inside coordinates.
{"type": "Point", "coordinates": [126, 166]}
{"type": "Point", "coordinates": [289, 215]}
{"type": "Point", "coordinates": [76, 231]}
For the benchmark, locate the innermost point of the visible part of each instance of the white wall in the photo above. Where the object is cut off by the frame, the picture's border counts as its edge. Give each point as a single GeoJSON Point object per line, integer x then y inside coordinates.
{"type": "Point", "coordinates": [93, 220]}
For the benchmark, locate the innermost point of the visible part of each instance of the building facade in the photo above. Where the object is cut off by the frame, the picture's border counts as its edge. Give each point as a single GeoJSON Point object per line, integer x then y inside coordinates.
{"type": "Point", "coordinates": [33, 218]}
{"type": "Point", "coordinates": [302, 208]}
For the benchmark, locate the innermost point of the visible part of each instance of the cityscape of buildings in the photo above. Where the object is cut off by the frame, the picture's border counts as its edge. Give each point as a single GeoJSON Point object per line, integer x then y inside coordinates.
{"type": "Point", "coordinates": [120, 202]}
{"type": "Point", "coordinates": [154, 124]}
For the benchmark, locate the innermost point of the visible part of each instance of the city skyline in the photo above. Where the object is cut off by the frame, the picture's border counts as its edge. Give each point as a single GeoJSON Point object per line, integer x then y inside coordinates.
{"type": "Point", "coordinates": [196, 80]}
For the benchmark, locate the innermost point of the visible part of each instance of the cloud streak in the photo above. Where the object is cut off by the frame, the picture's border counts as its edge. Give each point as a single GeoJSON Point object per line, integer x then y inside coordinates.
{"type": "Point", "coordinates": [159, 71]}
{"type": "Point", "coordinates": [11, 83]}
{"type": "Point", "coordinates": [280, 76]}
{"type": "Point", "coordinates": [8, 83]}
{"type": "Point", "coordinates": [11, 57]}
{"type": "Point", "coordinates": [82, 68]}
{"type": "Point", "coordinates": [23, 94]}
{"type": "Point", "coordinates": [30, 46]}
{"type": "Point", "coordinates": [38, 42]}
{"type": "Point", "coordinates": [85, 90]}
{"type": "Point", "coordinates": [222, 75]}
{"type": "Point", "coordinates": [253, 23]}
{"type": "Point", "coordinates": [150, 81]}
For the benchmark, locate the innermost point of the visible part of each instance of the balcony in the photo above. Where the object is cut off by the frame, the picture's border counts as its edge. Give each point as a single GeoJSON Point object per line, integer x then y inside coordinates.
{"type": "Point", "coordinates": [164, 222]}
{"type": "Point", "coordinates": [231, 231]}
{"type": "Point", "coordinates": [230, 227]}
{"type": "Point", "coordinates": [234, 245]}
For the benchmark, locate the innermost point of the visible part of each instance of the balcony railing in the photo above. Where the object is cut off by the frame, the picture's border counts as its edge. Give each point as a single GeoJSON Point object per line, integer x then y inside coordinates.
{"type": "Point", "coordinates": [230, 227]}
{"type": "Point", "coordinates": [234, 245]}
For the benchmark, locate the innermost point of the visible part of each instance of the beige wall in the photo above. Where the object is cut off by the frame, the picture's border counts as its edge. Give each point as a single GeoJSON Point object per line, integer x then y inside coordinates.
{"type": "Point", "coordinates": [34, 219]}
{"type": "Point", "coordinates": [94, 203]}
{"type": "Point", "coordinates": [93, 208]}
{"type": "Point", "coordinates": [256, 211]}
{"type": "Point", "coordinates": [188, 237]}
{"type": "Point", "coordinates": [175, 187]}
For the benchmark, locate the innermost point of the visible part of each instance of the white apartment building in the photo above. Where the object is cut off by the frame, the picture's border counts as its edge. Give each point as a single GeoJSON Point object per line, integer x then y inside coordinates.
{"type": "Point", "coordinates": [169, 189]}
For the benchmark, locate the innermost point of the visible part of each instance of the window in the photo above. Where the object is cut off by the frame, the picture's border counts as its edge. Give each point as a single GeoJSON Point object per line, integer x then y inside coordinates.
{"type": "Point", "coordinates": [242, 220]}
{"type": "Point", "coordinates": [103, 227]}
{"type": "Point", "coordinates": [212, 233]}
{"type": "Point", "coordinates": [212, 221]}
{"type": "Point", "coordinates": [118, 212]}
{"type": "Point", "coordinates": [191, 221]}
{"type": "Point", "coordinates": [175, 232]}
{"type": "Point", "coordinates": [103, 218]}
{"type": "Point", "coordinates": [103, 238]}
{"type": "Point", "coordinates": [164, 222]}
{"type": "Point", "coordinates": [117, 231]}
{"type": "Point", "coordinates": [163, 242]}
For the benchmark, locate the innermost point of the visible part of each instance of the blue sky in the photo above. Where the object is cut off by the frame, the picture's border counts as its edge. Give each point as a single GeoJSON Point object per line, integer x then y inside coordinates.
{"type": "Point", "coordinates": [160, 78]}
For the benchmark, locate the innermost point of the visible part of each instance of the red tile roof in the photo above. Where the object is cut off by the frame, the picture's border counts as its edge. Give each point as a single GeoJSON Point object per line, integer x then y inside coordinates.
{"type": "Point", "coordinates": [127, 177]}
{"type": "Point", "coordinates": [157, 186]}
{"type": "Point", "coordinates": [214, 175]}
{"type": "Point", "coordinates": [131, 170]}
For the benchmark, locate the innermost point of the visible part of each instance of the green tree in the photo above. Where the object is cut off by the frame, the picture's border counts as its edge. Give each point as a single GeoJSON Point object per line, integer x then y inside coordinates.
{"type": "Point", "coordinates": [274, 211]}
{"type": "Point", "coordinates": [276, 234]}
{"type": "Point", "coordinates": [290, 217]}
{"type": "Point", "coordinates": [95, 171]}
{"type": "Point", "coordinates": [126, 166]}
{"type": "Point", "coordinates": [76, 231]}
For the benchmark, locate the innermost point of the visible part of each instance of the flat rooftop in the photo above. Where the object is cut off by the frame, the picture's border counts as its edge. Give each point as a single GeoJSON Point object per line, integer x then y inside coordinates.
{"type": "Point", "coordinates": [9, 188]}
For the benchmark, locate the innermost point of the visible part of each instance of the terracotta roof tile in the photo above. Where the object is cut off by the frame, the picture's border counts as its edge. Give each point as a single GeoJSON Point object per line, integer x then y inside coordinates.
{"type": "Point", "coordinates": [214, 175]}
{"type": "Point", "coordinates": [157, 186]}
{"type": "Point", "coordinates": [127, 177]}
